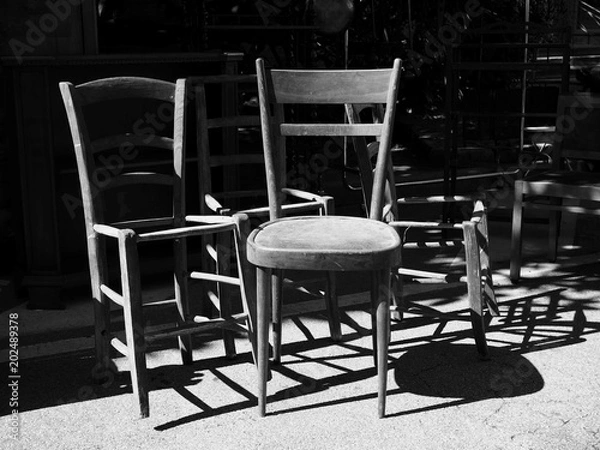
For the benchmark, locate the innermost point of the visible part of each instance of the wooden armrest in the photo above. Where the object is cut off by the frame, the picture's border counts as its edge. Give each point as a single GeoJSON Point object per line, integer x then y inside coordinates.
{"type": "Point", "coordinates": [305, 195]}
{"type": "Point", "coordinates": [419, 224]}
{"type": "Point", "coordinates": [214, 205]}
{"type": "Point", "coordinates": [442, 199]}
{"type": "Point", "coordinates": [210, 219]}
{"type": "Point", "coordinates": [109, 230]}
{"type": "Point", "coordinates": [176, 233]}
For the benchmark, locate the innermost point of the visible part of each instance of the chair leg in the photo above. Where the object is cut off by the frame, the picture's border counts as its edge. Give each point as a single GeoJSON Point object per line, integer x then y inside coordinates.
{"type": "Point", "coordinates": [475, 286]}
{"type": "Point", "coordinates": [397, 304]}
{"type": "Point", "coordinates": [247, 275]}
{"type": "Point", "coordinates": [553, 232]}
{"type": "Point", "coordinates": [263, 307]}
{"type": "Point", "coordinates": [134, 322]}
{"type": "Point", "coordinates": [181, 297]}
{"type": "Point", "coordinates": [516, 235]}
{"type": "Point", "coordinates": [223, 290]}
{"type": "Point", "coordinates": [488, 293]}
{"type": "Point", "coordinates": [207, 264]}
{"type": "Point", "coordinates": [333, 310]}
{"type": "Point", "coordinates": [380, 302]}
{"type": "Point", "coordinates": [101, 334]}
{"type": "Point", "coordinates": [277, 304]}
{"type": "Point", "coordinates": [98, 275]}
{"type": "Point", "coordinates": [478, 324]}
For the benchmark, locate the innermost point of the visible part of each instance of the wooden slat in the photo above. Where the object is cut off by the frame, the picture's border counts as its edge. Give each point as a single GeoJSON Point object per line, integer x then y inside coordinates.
{"type": "Point", "coordinates": [342, 86]}
{"type": "Point", "coordinates": [436, 199]}
{"type": "Point", "coordinates": [129, 140]}
{"type": "Point", "coordinates": [122, 88]}
{"type": "Point", "coordinates": [417, 224]}
{"type": "Point", "coordinates": [505, 66]}
{"type": "Point", "coordinates": [292, 208]}
{"type": "Point", "coordinates": [434, 244]}
{"type": "Point", "coordinates": [120, 346]}
{"type": "Point", "coordinates": [145, 223]}
{"type": "Point", "coordinates": [112, 294]}
{"type": "Point", "coordinates": [228, 160]}
{"type": "Point", "coordinates": [553, 188]}
{"type": "Point", "coordinates": [137, 178]}
{"type": "Point", "coordinates": [310, 129]}
{"type": "Point", "coordinates": [177, 233]}
{"type": "Point", "coordinates": [234, 121]}
{"type": "Point", "coordinates": [437, 277]}
{"type": "Point", "coordinates": [208, 276]}
{"type": "Point", "coordinates": [571, 209]}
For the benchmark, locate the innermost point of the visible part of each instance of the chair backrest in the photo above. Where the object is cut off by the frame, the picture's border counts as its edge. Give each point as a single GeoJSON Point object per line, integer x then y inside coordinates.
{"type": "Point", "coordinates": [228, 142]}
{"type": "Point", "coordinates": [128, 133]}
{"type": "Point", "coordinates": [577, 129]}
{"type": "Point", "coordinates": [279, 90]}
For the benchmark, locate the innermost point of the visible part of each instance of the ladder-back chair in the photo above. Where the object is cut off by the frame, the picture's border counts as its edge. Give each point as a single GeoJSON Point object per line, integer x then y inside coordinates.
{"type": "Point", "coordinates": [231, 171]}
{"type": "Point", "coordinates": [129, 140]}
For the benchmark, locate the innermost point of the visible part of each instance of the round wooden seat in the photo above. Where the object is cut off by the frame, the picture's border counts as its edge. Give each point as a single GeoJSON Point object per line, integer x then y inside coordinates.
{"type": "Point", "coordinates": [336, 243]}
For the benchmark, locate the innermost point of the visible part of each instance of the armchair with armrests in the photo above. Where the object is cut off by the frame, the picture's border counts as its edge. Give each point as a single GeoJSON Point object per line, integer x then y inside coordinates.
{"type": "Point", "coordinates": [132, 177]}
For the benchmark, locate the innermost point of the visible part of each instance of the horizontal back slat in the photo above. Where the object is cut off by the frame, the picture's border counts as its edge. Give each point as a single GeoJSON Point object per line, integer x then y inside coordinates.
{"type": "Point", "coordinates": [344, 86]}
{"type": "Point", "coordinates": [137, 178]}
{"type": "Point", "coordinates": [133, 140]}
{"type": "Point", "coordinates": [310, 129]}
{"type": "Point", "coordinates": [120, 88]}
{"type": "Point", "coordinates": [234, 121]}
{"type": "Point", "coordinates": [234, 160]}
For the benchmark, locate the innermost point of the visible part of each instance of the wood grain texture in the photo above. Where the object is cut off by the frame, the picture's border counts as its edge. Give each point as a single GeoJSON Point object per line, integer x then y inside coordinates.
{"type": "Point", "coordinates": [330, 243]}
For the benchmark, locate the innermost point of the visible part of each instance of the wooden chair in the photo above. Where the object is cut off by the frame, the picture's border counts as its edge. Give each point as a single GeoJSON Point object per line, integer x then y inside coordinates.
{"type": "Point", "coordinates": [573, 177]}
{"type": "Point", "coordinates": [329, 243]}
{"type": "Point", "coordinates": [224, 193]}
{"type": "Point", "coordinates": [231, 170]}
{"type": "Point", "coordinates": [470, 233]}
{"type": "Point", "coordinates": [125, 130]}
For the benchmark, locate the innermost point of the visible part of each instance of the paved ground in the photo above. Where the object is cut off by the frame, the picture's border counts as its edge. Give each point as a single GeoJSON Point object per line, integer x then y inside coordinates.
{"type": "Point", "coordinates": [538, 391]}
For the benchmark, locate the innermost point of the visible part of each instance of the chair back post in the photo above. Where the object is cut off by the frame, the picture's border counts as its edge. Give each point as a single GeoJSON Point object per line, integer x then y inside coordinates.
{"type": "Point", "coordinates": [270, 138]}
{"type": "Point", "coordinates": [92, 215]}
{"type": "Point", "coordinates": [384, 155]}
{"type": "Point", "coordinates": [202, 142]}
{"type": "Point", "coordinates": [179, 151]}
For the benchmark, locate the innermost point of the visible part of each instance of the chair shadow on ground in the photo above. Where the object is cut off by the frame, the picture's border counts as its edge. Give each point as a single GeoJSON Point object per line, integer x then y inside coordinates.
{"type": "Point", "coordinates": [442, 364]}
{"type": "Point", "coordinates": [73, 377]}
